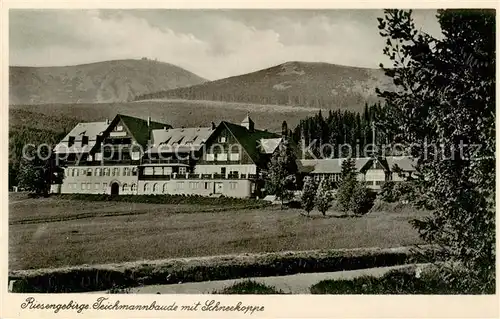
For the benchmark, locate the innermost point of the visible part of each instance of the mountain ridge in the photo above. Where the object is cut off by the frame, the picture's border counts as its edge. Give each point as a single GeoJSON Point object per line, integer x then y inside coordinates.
{"type": "Point", "coordinates": [295, 83]}
{"type": "Point", "coordinates": [97, 82]}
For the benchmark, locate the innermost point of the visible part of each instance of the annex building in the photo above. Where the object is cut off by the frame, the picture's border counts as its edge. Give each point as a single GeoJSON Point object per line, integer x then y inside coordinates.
{"type": "Point", "coordinates": [129, 155]}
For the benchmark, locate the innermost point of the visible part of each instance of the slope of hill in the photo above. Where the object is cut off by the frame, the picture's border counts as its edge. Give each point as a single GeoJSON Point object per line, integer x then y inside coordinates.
{"type": "Point", "coordinates": [307, 84]}
{"type": "Point", "coordinates": [108, 81]}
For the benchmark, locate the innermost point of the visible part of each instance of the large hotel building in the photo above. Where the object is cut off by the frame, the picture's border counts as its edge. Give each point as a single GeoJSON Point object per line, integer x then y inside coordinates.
{"type": "Point", "coordinates": [129, 156]}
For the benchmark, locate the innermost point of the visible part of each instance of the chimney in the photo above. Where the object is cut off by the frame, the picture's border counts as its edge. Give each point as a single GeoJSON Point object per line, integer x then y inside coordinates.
{"type": "Point", "coordinates": [149, 120]}
{"type": "Point", "coordinates": [107, 121]}
{"type": "Point", "coordinates": [213, 126]}
{"type": "Point", "coordinates": [165, 128]}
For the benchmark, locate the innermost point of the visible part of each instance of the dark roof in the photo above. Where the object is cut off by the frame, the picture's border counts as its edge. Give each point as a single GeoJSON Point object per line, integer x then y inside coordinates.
{"type": "Point", "coordinates": [249, 140]}
{"type": "Point", "coordinates": [139, 128]}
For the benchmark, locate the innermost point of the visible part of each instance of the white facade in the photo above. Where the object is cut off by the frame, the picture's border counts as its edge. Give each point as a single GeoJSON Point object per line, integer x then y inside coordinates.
{"type": "Point", "coordinates": [98, 179]}
{"type": "Point", "coordinates": [204, 187]}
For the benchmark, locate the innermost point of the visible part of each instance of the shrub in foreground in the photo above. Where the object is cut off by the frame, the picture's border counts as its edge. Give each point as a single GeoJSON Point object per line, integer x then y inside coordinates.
{"type": "Point", "coordinates": [431, 281]}
{"type": "Point", "coordinates": [361, 200]}
{"type": "Point", "coordinates": [249, 287]}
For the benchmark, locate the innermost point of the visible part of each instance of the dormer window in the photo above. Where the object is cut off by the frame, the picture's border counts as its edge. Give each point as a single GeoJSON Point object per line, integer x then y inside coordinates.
{"type": "Point", "coordinates": [85, 140]}
{"type": "Point", "coordinates": [71, 141]}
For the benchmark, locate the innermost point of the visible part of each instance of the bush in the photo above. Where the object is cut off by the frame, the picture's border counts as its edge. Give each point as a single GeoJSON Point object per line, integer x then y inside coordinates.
{"type": "Point", "coordinates": [387, 192]}
{"type": "Point", "coordinates": [249, 287]}
{"type": "Point", "coordinates": [361, 200]}
{"type": "Point", "coordinates": [430, 280]}
{"type": "Point", "coordinates": [404, 191]}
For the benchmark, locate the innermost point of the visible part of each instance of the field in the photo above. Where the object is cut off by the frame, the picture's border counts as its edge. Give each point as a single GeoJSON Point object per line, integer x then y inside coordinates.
{"type": "Point", "coordinates": [107, 232]}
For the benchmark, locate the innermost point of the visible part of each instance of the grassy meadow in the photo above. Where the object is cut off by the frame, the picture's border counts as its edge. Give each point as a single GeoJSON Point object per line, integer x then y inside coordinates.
{"type": "Point", "coordinates": [42, 236]}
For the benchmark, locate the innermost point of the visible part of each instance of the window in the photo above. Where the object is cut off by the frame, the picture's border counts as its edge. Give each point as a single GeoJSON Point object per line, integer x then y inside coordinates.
{"type": "Point", "coordinates": [83, 185]}
{"type": "Point", "coordinates": [210, 157]}
{"type": "Point", "coordinates": [97, 172]}
{"type": "Point", "coordinates": [125, 171]}
{"type": "Point", "coordinates": [119, 128]}
{"type": "Point", "coordinates": [125, 187]}
{"type": "Point", "coordinates": [89, 186]}
{"type": "Point", "coordinates": [233, 185]}
{"type": "Point", "coordinates": [194, 185]}
{"type": "Point", "coordinates": [134, 171]}
{"type": "Point", "coordinates": [158, 170]}
{"type": "Point", "coordinates": [106, 171]}
{"type": "Point", "coordinates": [83, 171]}
{"type": "Point", "coordinates": [234, 156]}
{"type": "Point", "coordinates": [155, 188]}
{"type": "Point", "coordinates": [85, 140]}
{"type": "Point", "coordinates": [89, 172]}
{"type": "Point", "coordinates": [148, 171]}
{"type": "Point", "coordinates": [96, 186]}
{"type": "Point", "coordinates": [104, 186]}
{"type": "Point", "coordinates": [207, 185]}
{"type": "Point", "coordinates": [165, 188]}
{"type": "Point", "coordinates": [146, 188]}
{"type": "Point", "coordinates": [182, 170]}
{"type": "Point", "coordinates": [116, 171]}
{"type": "Point", "coordinates": [133, 188]}
{"type": "Point", "coordinates": [222, 139]}
{"type": "Point", "coordinates": [71, 141]}
{"type": "Point", "coordinates": [222, 157]}
{"type": "Point", "coordinates": [180, 185]}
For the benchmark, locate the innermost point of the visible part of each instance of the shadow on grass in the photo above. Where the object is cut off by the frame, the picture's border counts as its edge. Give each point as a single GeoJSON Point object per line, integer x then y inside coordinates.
{"type": "Point", "coordinates": [330, 216]}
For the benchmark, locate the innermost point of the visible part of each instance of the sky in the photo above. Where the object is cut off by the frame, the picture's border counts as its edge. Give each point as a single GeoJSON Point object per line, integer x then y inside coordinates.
{"type": "Point", "coordinates": [213, 44]}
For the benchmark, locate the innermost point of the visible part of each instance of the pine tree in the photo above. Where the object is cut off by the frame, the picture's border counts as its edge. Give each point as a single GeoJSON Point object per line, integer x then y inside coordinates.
{"type": "Point", "coordinates": [281, 177]}
{"type": "Point", "coordinates": [347, 185]}
{"type": "Point", "coordinates": [308, 196]}
{"type": "Point", "coordinates": [324, 196]}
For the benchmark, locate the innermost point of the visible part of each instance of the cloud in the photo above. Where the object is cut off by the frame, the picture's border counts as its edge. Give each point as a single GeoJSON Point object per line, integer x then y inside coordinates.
{"type": "Point", "coordinates": [213, 44]}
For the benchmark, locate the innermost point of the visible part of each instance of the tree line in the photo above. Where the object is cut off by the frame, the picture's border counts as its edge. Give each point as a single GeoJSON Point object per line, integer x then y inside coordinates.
{"type": "Point", "coordinates": [342, 128]}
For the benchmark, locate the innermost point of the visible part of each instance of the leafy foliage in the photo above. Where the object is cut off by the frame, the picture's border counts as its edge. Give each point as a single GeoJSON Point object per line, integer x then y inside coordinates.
{"type": "Point", "coordinates": [361, 200]}
{"type": "Point", "coordinates": [308, 194]}
{"type": "Point", "coordinates": [347, 185]}
{"type": "Point", "coordinates": [445, 96]}
{"type": "Point", "coordinates": [38, 171]}
{"type": "Point", "coordinates": [324, 196]}
{"type": "Point", "coordinates": [249, 287]}
{"type": "Point", "coordinates": [281, 177]}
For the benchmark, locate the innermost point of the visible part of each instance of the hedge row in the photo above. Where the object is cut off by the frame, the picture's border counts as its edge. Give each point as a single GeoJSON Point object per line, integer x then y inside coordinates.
{"type": "Point", "coordinates": [173, 271]}
{"type": "Point", "coordinates": [165, 199]}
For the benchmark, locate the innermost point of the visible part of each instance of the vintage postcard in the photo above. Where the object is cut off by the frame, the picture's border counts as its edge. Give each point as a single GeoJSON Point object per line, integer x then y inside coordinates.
{"type": "Point", "coordinates": [216, 161]}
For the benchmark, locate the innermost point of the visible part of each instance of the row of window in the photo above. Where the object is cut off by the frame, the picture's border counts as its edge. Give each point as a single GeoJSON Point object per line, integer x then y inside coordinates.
{"type": "Point", "coordinates": [116, 171]}
{"type": "Point", "coordinates": [155, 188]}
{"type": "Point", "coordinates": [97, 186]}
{"type": "Point", "coordinates": [222, 157]}
{"type": "Point", "coordinates": [163, 170]}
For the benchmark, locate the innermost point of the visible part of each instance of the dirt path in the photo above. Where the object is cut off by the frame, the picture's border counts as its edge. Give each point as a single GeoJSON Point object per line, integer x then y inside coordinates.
{"type": "Point", "coordinates": [295, 284]}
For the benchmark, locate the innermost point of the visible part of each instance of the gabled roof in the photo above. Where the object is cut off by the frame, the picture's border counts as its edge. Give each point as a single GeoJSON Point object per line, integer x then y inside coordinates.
{"type": "Point", "coordinates": [139, 128]}
{"type": "Point", "coordinates": [91, 130]}
{"type": "Point", "coordinates": [249, 140]}
{"type": "Point", "coordinates": [406, 163]}
{"type": "Point", "coordinates": [334, 165]}
{"type": "Point", "coordinates": [179, 139]}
